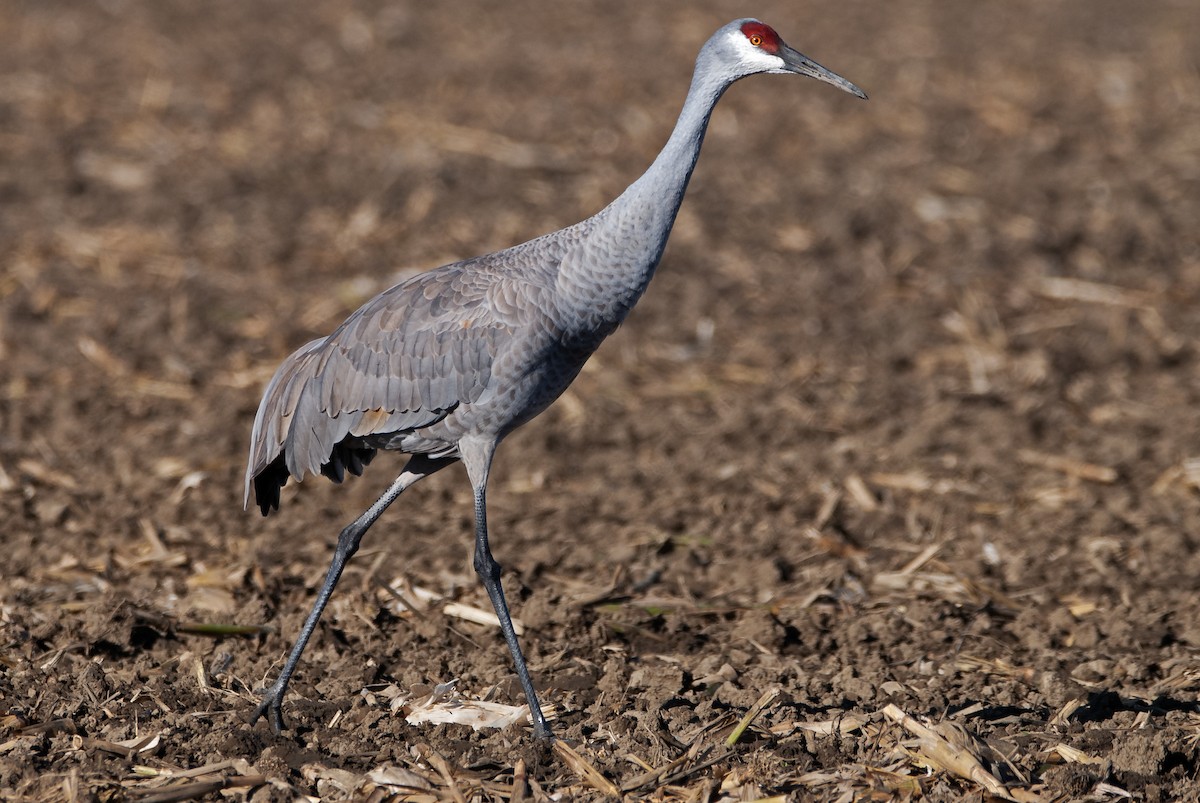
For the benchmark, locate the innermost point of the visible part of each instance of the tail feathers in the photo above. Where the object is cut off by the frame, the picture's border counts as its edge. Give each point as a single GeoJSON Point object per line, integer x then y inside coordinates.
{"type": "Point", "coordinates": [266, 469]}
{"type": "Point", "coordinates": [294, 436]}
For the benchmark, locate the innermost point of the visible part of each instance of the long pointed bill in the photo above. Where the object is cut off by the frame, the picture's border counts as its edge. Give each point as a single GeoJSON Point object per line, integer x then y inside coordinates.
{"type": "Point", "coordinates": [796, 62]}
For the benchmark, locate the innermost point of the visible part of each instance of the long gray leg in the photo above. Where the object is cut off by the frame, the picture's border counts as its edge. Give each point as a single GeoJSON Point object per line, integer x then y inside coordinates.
{"type": "Point", "coordinates": [477, 458]}
{"type": "Point", "coordinates": [418, 468]}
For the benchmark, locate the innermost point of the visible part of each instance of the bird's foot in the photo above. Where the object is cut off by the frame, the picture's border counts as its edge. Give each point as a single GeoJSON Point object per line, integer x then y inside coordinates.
{"type": "Point", "coordinates": [541, 728]}
{"type": "Point", "coordinates": [272, 702]}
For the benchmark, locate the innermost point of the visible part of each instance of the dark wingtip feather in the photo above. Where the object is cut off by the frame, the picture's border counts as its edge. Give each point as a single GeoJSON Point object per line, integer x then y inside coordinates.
{"type": "Point", "coordinates": [334, 469]}
{"type": "Point", "coordinates": [344, 457]}
{"type": "Point", "coordinates": [268, 482]}
{"type": "Point", "coordinates": [357, 459]}
{"type": "Point", "coordinates": [347, 456]}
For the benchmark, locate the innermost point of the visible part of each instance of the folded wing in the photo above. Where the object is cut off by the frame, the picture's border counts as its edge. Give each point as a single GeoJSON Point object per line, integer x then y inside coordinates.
{"type": "Point", "coordinates": [405, 360]}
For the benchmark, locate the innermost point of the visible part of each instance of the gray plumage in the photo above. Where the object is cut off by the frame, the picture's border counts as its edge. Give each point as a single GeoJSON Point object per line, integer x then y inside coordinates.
{"type": "Point", "coordinates": [445, 365]}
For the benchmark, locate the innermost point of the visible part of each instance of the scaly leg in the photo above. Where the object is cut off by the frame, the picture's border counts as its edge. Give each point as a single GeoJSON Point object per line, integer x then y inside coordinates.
{"type": "Point", "coordinates": [477, 457]}
{"type": "Point", "coordinates": [418, 467]}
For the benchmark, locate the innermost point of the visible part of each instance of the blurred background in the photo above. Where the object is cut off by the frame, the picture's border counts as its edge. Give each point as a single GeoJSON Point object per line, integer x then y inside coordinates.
{"type": "Point", "coordinates": [916, 379]}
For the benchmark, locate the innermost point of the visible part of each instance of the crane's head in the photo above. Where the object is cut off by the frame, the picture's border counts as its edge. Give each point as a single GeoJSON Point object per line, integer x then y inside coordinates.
{"type": "Point", "coordinates": [750, 47]}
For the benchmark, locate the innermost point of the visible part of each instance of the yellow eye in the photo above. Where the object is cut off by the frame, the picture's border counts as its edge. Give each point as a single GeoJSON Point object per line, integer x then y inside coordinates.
{"type": "Point", "coordinates": [755, 40]}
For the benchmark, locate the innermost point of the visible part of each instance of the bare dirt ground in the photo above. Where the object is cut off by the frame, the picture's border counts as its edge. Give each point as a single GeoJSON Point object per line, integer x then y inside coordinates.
{"type": "Point", "coordinates": [896, 460]}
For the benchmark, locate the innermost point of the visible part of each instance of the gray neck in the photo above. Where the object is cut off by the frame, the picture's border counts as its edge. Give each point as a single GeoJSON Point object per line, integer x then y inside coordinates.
{"type": "Point", "coordinates": [653, 200]}
{"type": "Point", "coordinates": [625, 240]}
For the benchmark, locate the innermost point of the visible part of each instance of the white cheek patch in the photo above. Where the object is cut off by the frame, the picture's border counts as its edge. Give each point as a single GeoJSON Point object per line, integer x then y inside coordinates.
{"type": "Point", "coordinates": [762, 62]}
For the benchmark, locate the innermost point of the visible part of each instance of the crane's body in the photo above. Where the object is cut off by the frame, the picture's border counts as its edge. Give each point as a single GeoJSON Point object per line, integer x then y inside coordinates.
{"type": "Point", "coordinates": [443, 366]}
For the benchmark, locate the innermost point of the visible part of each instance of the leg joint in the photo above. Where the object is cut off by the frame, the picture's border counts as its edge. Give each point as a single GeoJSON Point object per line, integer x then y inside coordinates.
{"type": "Point", "coordinates": [349, 539]}
{"type": "Point", "coordinates": [486, 566]}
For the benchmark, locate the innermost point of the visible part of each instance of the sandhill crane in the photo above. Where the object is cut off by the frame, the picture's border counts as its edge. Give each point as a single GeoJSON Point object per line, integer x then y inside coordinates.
{"type": "Point", "coordinates": [444, 365]}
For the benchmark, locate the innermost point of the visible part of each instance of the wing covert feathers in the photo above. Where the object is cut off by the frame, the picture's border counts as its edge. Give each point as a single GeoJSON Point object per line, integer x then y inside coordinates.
{"type": "Point", "coordinates": [403, 361]}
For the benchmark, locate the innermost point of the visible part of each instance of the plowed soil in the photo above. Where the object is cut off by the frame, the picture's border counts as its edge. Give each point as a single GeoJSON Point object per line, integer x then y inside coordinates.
{"type": "Point", "coordinates": [904, 434]}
